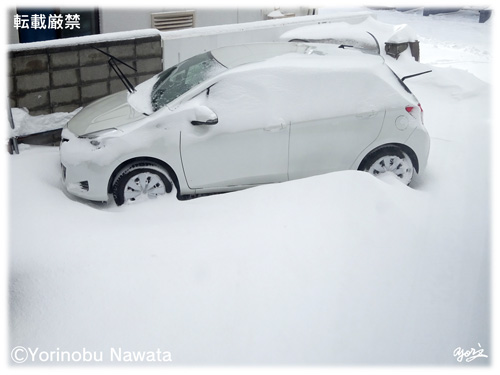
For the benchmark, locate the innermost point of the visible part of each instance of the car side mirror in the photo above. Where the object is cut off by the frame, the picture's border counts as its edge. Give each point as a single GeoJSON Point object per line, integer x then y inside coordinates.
{"type": "Point", "coordinates": [204, 116]}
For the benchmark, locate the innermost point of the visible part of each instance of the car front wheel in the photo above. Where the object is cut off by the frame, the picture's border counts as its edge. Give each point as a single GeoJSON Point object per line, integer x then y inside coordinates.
{"type": "Point", "coordinates": [393, 160]}
{"type": "Point", "coordinates": [141, 181]}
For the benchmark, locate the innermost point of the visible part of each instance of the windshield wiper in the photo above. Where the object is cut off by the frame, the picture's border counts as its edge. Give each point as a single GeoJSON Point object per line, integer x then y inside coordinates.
{"type": "Point", "coordinates": [113, 63]}
{"type": "Point", "coordinates": [376, 42]}
{"type": "Point", "coordinates": [415, 75]}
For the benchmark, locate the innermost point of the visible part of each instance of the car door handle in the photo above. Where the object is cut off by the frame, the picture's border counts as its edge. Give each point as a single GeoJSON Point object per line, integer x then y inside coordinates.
{"type": "Point", "coordinates": [366, 114]}
{"type": "Point", "coordinates": [275, 128]}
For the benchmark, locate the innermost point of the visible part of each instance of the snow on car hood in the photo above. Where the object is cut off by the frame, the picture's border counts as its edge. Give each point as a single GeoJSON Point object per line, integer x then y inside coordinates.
{"type": "Point", "coordinates": [109, 112]}
{"type": "Point", "coordinates": [140, 99]}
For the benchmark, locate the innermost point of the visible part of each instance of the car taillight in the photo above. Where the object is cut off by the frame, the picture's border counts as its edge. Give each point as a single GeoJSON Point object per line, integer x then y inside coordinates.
{"type": "Point", "coordinates": [410, 109]}
{"type": "Point", "coordinates": [421, 113]}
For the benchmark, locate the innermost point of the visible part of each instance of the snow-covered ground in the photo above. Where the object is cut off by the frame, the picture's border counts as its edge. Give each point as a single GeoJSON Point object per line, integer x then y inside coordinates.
{"type": "Point", "coordinates": [339, 269]}
{"type": "Point", "coordinates": [456, 40]}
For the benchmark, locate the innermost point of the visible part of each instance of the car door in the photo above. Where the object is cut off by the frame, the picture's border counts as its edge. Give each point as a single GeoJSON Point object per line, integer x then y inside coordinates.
{"type": "Point", "coordinates": [333, 126]}
{"type": "Point", "coordinates": [247, 146]}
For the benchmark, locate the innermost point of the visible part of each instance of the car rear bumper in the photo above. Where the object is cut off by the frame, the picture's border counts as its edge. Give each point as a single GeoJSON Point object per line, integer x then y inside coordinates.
{"type": "Point", "coordinates": [419, 142]}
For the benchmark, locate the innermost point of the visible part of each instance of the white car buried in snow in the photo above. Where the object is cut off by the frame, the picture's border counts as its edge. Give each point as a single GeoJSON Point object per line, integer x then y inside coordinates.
{"type": "Point", "coordinates": [246, 115]}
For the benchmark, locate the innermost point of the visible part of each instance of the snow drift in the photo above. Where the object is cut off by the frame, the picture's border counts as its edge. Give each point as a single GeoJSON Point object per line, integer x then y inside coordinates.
{"type": "Point", "coordinates": [339, 269]}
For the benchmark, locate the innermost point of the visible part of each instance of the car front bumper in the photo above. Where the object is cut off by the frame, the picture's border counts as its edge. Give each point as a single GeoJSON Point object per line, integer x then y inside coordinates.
{"type": "Point", "coordinates": [81, 172]}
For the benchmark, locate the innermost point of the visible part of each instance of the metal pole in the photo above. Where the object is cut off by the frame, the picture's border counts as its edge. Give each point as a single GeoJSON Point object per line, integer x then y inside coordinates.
{"type": "Point", "coordinates": [15, 147]}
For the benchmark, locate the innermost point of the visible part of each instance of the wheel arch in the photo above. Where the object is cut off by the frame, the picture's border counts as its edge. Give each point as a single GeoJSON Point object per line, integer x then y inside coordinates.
{"type": "Point", "coordinates": [406, 149]}
{"type": "Point", "coordinates": [143, 159]}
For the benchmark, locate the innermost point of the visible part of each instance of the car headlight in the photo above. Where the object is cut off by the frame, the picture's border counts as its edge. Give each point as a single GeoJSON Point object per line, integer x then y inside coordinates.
{"type": "Point", "coordinates": [98, 136]}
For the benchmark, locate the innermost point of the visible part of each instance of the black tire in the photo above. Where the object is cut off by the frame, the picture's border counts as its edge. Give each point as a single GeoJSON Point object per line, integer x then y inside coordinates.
{"type": "Point", "coordinates": [389, 159]}
{"type": "Point", "coordinates": [141, 179]}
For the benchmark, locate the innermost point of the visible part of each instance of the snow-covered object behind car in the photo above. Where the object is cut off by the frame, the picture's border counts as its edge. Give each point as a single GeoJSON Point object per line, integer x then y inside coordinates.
{"type": "Point", "coordinates": [25, 124]}
{"type": "Point", "coordinates": [353, 34]}
{"type": "Point", "coordinates": [402, 34]}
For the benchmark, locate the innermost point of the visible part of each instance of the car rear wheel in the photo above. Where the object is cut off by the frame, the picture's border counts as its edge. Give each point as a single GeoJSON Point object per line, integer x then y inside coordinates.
{"type": "Point", "coordinates": [390, 160]}
{"type": "Point", "coordinates": [141, 181]}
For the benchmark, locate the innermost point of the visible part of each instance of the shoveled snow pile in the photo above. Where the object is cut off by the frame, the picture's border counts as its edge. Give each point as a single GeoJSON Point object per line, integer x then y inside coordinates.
{"type": "Point", "coordinates": [339, 269]}
{"type": "Point", "coordinates": [25, 124]}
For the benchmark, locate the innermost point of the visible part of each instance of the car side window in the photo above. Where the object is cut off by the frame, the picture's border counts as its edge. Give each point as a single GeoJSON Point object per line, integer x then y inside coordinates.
{"type": "Point", "coordinates": [244, 100]}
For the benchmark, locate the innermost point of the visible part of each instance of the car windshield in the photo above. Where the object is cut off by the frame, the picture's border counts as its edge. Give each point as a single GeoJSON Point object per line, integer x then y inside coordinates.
{"type": "Point", "coordinates": [180, 78]}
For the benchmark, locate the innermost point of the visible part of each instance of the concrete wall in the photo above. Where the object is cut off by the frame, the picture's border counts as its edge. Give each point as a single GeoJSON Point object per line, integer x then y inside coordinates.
{"type": "Point", "coordinates": [61, 79]}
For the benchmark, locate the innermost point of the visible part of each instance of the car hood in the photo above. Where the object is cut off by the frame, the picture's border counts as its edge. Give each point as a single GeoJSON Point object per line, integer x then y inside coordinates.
{"type": "Point", "coordinates": [111, 111]}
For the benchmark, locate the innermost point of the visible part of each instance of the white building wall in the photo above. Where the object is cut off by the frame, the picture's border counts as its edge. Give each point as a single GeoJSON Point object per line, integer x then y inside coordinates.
{"type": "Point", "coordinates": [127, 19]}
{"type": "Point", "coordinates": [12, 33]}
{"type": "Point", "coordinates": [179, 45]}
{"type": "Point", "coordinates": [115, 19]}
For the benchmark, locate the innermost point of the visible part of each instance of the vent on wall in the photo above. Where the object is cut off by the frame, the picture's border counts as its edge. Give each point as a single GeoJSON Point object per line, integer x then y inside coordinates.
{"type": "Point", "coordinates": [166, 21]}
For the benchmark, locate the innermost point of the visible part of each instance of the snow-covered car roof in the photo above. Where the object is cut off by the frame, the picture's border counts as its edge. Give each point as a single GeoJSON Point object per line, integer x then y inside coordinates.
{"type": "Point", "coordinates": [271, 59]}
{"type": "Point", "coordinates": [233, 56]}
{"type": "Point", "coordinates": [349, 78]}
{"type": "Point", "coordinates": [283, 53]}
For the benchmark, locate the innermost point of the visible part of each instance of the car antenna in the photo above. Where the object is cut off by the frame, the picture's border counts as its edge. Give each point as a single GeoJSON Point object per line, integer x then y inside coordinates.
{"type": "Point", "coordinates": [113, 63]}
